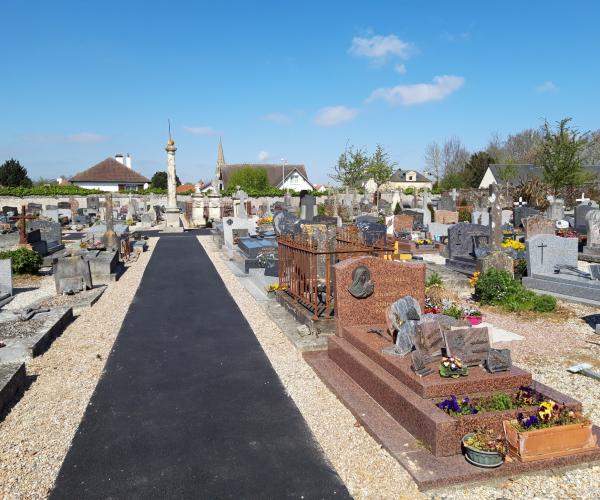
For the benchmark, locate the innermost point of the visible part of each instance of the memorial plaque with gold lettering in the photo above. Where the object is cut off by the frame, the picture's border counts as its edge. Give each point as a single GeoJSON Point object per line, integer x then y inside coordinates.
{"type": "Point", "coordinates": [471, 345]}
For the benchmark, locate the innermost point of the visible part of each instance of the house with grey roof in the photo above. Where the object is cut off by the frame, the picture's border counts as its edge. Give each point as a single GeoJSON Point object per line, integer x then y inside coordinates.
{"type": "Point", "coordinates": [401, 179]}
{"type": "Point", "coordinates": [288, 177]}
{"type": "Point", "coordinates": [519, 173]}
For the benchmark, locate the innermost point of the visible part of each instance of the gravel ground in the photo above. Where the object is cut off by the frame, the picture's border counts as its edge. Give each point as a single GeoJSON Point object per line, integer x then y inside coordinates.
{"type": "Point", "coordinates": [20, 329]}
{"type": "Point", "coordinates": [368, 470]}
{"type": "Point", "coordinates": [37, 432]}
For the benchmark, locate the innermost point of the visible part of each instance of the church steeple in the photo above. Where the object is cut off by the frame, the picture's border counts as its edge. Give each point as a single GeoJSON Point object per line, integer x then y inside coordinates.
{"type": "Point", "coordinates": [217, 183]}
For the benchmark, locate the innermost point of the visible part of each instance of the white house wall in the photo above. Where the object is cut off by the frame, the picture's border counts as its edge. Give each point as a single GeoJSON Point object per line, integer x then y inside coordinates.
{"type": "Point", "coordinates": [488, 178]}
{"type": "Point", "coordinates": [299, 186]}
{"type": "Point", "coordinates": [109, 186]}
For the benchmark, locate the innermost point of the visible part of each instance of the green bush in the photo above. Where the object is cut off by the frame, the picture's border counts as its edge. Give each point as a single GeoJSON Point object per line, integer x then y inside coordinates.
{"type": "Point", "coordinates": [409, 191]}
{"type": "Point", "coordinates": [464, 215]}
{"type": "Point", "coordinates": [544, 303]}
{"type": "Point", "coordinates": [62, 190]}
{"type": "Point", "coordinates": [397, 209]}
{"type": "Point", "coordinates": [321, 210]}
{"type": "Point", "coordinates": [434, 279]}
{"type": "Point", "coordinates": [24, 260]}
{"type": "Point", "coordinates": [454, 311]}
{"type": "Point", "coordinates": [499, 288]}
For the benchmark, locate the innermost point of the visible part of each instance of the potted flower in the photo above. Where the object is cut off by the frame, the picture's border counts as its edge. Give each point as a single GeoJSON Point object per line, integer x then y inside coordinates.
{"type": "Point", "coordinates": [452, 367]}
{"type": "Point", "coordinates": [484, 448]}
{"type": "Point", "coordinates": [555, 431]}
{"type": "Point", "coordinates": [472, 315]}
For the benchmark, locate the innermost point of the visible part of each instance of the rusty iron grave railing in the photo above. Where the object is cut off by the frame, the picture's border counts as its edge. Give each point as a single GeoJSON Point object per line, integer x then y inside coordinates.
{"type": "Point", "coordinates": [306, 271]}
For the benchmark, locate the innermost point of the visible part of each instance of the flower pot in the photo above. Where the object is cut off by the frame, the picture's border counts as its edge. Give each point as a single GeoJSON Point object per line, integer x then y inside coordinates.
{"type": "Point", "coordinates": [474, 320]}
{"type": "Point", "coordinates": [550, 442]}
{"type": "Point", "coordinates": [480, 458]}
{"type": "Point", "coordinates": [271, 294]}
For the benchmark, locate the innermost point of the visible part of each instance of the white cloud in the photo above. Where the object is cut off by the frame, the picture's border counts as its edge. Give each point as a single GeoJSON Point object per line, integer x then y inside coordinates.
{"type": "Point", "coordinates": [419, 93]}
{"type": "Point", "coordinates": [278, 118]}
{"type": "Point", "coordinates": [400, 68]}
{"type": "Point", "coordinates": [457, 37]}
{"type": "Point", "coordinates": [379, 48]}
{"type": "Point", "coordinates": [547, 87]}
{"type": "Point", "coordinates": [263, 155]}
{"type": "Point", "coordinates": [334, 115]}
{"type": "Point", "coordinates": [200, 130]}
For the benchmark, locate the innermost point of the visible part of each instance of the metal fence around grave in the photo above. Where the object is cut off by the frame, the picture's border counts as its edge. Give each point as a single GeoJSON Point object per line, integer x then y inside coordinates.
{"type": "Point", "coordinates": [306, 272]}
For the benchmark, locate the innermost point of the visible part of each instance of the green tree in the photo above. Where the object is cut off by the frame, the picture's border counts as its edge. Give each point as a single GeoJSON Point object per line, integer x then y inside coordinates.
{"type": "Point", "coordinates": [249, 179]}
{"type": "Point", "coordinates": [380, 169]}
{"type": "Point", "coordinates": [452, 180]}
{"type": "Point", "coordinates": [476, 167]}
{"type": "Point", "coordinates": [560, 155]}
{"type": "Point", "coordinates": [159, 180]}
{"type": "Point", "coordinates": [507, 173]}
{"type": "Point", "coordinates": [351, 167]}
{"type": "Point", "coordinates": [13, 174]}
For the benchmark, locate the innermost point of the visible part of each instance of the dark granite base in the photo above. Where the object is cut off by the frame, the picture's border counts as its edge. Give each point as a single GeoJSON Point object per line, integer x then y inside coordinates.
{"type": "Point", "coordinates": [567, 287]}
{"type": "Point", "coordinates": [432, 386]}
{"type": "Point", "coordinates": [326, 326]}
{"type": "Point", "coordinates": [427, 470]}
{"type": "Point", "coordinates": [12, 379]}
{"type": "Point", "coordinates": [462, 266]}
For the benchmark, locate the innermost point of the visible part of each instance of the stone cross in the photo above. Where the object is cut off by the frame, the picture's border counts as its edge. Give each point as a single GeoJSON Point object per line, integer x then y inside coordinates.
{"type": "Point", "coordinates": [541, 247]}
{"type": "Point", "coordinates": [520, 203]}
{"type": "Point", "coordinates": [241, 195]}
{"type": "Point", "coordinates": [583, 199]}
{"type": "Point", "coordinates": [23, 218]}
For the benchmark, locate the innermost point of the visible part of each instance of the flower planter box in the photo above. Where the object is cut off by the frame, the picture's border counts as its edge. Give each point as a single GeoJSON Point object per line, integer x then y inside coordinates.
{"type": "Point", "coordinates": [474, 320]}
{"type": "Point", "coordinates": [551, 442]}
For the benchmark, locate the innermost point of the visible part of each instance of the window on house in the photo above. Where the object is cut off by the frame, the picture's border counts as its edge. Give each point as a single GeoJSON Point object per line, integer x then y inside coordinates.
{"type": "Point", "coordinates": [295, 179]}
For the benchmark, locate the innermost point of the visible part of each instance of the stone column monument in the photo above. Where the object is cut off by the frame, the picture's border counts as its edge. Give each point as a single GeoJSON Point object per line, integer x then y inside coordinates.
{"type": "Point", "coordinates": [173, 222]}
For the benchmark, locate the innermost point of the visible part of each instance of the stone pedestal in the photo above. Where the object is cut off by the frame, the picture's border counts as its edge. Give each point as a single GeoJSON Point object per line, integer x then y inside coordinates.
{"type": "Point", "coordinates": [173, 221]}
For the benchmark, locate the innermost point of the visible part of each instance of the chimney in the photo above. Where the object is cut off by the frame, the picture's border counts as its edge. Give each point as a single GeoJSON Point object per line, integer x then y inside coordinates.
{"type": "Point", "coordinates": [119, 158]}
{"type": "Point", "coordinates": [128, 161]}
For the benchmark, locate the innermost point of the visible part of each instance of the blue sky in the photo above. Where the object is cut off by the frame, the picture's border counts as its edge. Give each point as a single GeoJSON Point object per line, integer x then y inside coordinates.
{"type": "Point", "coordinates": [84, 80]}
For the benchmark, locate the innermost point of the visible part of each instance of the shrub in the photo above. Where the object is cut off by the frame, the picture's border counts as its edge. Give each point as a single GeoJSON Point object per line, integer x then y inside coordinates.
{"type": "Point", "coordinates": [409, 191]}
{"type": "Point", "coordinates": [454, 311]}
{"type": "Point", "coordinates": [464, 215]}
{"type": "Point", "coordinates": [24, 260]}
{"type": "Point", "coordinates": [434, 279]}
{"type": "Point", "coordinates": [321, 210]}
{"type": "Point", "coordinates": [544, 303]}
{"type": "Point", "coordinates": [499, 288]}
{"type": "Point", "coordinates": [397, 209]}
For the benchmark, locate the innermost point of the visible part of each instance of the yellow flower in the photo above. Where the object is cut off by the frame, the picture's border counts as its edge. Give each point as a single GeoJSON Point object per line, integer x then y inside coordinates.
{"type": "Point", "coordinates": [545, 411]}
{"type": "Point", "coordinates": [473, 280]}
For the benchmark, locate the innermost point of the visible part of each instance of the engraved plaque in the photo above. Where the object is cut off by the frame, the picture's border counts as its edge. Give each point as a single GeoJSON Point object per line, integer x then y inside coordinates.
{"type": "Point", "coordinates": [471, 345]}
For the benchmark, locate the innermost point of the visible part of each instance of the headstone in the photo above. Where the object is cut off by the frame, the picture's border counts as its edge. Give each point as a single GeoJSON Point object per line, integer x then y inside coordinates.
{"type": "Point", "coordinates": [463, 240]}
{"type": "Point", "coordinates": [471, 345]}
{"type": "Point", "coordinates": [581, 211]}
{"type": "Point", "coordinates": [34, 208]}
{"type": "Point", "coordinates": [418, 217]}
{"type": "Point", "coordinates": [522, 212]}
{"type": "Point", "coordinates": [446, 216]}
{"type": "Point", "coordinates": [481, 217]}
{"type": "Point", "coordinates": [592, 246]}
{"type": "Point", "coordinates": [372, 232]}
{"type": "Point", "coordinates": [498, 360]}
{"type": "Point", "coordinates": [242, 197]}
{"type": "Point", "coordinates": [402, 317]}
{"type": "Point", "coordinates": [497, 260]}
{"type": "Point", "coordinates": [71, 274]}
{"type": "Point", "coordinates": [6, 284]}
{"type": "Point", "coordinates": [556, 208]}
{"type": "Point", "coordinates": [538, 224]}
{"type": "Point", "coordinates": [64, 205]}
{"type": "Point", "coordinates": [546, 251]}
{"type": "Point", "coordinates": [93, 203]}
{"type": "Point", "coordinates": [285, 223]}
{"type": "Point", "coordinates": [287, 200]}
{"type": "Point", "coordinates": [50, 231]}
{"type": "Point", "coordinates": [403, 222]}
{"type": "Point", "coordinates": [324, 219]}
{"type": "Point", "coordinates": [308, 205]}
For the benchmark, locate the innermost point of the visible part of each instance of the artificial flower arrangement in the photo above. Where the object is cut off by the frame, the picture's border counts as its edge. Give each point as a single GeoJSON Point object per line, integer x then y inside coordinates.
{"type": "Point", "coordinates": [275, 286]}
{"type": "Point", "coordinates": [452, 367]}
{"type": "Point", "coordinates": [566, 233]}
{"type": "Point", "coordinates": [430, 307]}
{"type": "Point", "coordinates": [265, 220]}
{"type": "Point", "coordinates": [515, 245]}
{"type": "Point", "coordinates": [423, 241]}
{"type": "Point", "coordinates": [474, 279]}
